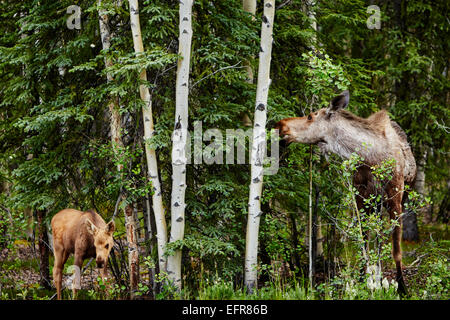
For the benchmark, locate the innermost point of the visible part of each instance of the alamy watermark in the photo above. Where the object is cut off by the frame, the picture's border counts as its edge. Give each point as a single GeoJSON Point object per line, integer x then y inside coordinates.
{"type": "Point", "coordinates": [226, 147]}
{"type": "Point", "coordinates": [74, 20]}
{"type": "Point", "coordinates": [374, 21]}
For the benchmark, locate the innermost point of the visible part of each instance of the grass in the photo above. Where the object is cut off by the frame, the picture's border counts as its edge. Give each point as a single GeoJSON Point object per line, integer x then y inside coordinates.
{"type": "Point", "coordinates": [223, 290]}
{"type": "Point", "coordinates": [430, 280]}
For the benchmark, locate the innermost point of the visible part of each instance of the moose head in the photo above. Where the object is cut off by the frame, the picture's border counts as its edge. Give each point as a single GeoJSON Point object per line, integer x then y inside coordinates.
{"type": "Point", "coordinates": [315, 127]}
{"type": "Point", "coordinates": [103, 241]}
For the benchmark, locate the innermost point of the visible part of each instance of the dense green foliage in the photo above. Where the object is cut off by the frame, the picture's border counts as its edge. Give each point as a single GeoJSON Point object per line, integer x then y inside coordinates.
{"type": "Point", "coordinates": [55, 149]}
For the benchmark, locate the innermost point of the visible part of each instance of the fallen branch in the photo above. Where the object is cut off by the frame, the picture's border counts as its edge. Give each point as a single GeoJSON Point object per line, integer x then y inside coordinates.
{"type": "Point", "coordinates": [419, 259]}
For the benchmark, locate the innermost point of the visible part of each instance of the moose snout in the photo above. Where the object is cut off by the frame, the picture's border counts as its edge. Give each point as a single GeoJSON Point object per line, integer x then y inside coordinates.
{"type": "Point", "coordinates": [278, 125]}
{"type": "Point", "coordinates": [282, 132]}
{"type": "Point", "coordinates": [100, 263]}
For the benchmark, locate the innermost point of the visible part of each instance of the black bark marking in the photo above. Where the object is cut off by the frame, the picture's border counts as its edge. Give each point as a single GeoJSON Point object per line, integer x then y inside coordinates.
{"type": "Point", "coordinates": [178, 124]}
{"type": "Point", "coordinates": [258, 156]}
{"type": "Point", "coordinates": [261, 107]}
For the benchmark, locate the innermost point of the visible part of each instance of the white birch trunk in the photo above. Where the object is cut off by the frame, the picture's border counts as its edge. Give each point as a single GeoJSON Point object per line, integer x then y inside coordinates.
{"type": "Point", "coordinates": [152, 165]}
{"type": "Point", "coordinates": [115, 122]}
{"type": "Point", "coordinates": [115, 127]}
{"type": "Point", "coordinates": [420, 176]}
{"type": "Point", "coordinates": [258, 146]}
{"type": "Point", "coordinates": [179, 139]}
{"type": "Point", "coordinates": [250, 7]}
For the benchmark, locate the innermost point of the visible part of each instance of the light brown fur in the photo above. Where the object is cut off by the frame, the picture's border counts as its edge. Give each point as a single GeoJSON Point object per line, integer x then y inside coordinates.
{"type": "Point", "coordinates": [86, 235]}
{"type": "Point", "coordinates": [374, 139]}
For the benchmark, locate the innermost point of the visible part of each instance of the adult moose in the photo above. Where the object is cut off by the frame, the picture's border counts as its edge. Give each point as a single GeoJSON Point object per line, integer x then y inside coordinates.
{"type": "Point", "coordinates": [86, 235]}
{"type": "Point", "coordinates": [338, 131]}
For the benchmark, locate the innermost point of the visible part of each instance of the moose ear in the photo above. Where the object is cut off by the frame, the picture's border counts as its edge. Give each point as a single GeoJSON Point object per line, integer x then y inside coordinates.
{"type": "Point", "coordinates": [91, 228]}
{"type": "Point", "coordinates": [339, 102]}
{"type": "Point", "coordinates": [110, 227]}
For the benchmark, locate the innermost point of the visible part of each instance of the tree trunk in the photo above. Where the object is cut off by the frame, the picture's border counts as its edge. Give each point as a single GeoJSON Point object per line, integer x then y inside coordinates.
{"type": "Point", "coordinates": [44, 270]}
{"type": "Point", "coordinates": [314, 232]}
{"type": "Point", "coordinates": [250, 7]}
{"type": "Point", "coordinates": [315, 253]}
{"type": "Point", "coordinates": [294, 239]}
{"type": "Point", "coordinates": [258, 146]}
{"type": "Point", "coordinates": [319, 238]}
{"type": "Point", "coordinates": [115, 127]}
{"type": "Point", "coordinates": [148, 236]}
{"type": "Point", "coordinates": [444, 207]}
{"type": "Point", "coordinates": [152, 164]}
{"type": "Point", "coordinates": [420, 177]}
{"type": "Point", "coordinates": [179, 139]}
{"type": "Point", "coordinates": [410, 230]}
{"type": "Point", "coordinates": [133, 249]}
{"type": "Point", "coordinates": [311, 234]}
{"type": "Point", "coordinates": [4, 188]}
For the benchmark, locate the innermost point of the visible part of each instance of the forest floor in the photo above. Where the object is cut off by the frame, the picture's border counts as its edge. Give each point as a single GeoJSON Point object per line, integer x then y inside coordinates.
{"type": "Point", "coordinates": [19, 266]}
{"type": "Point", "coordinates": [20, 269]}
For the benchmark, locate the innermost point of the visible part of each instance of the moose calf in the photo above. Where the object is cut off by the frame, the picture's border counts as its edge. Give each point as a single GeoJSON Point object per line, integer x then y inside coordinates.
{"type": "Point", "coordinates": [86, 235]}
{"type": "Point", "coordinates": [375, 139]}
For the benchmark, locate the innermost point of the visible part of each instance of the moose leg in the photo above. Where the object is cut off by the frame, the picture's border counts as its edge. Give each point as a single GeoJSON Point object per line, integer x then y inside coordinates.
{"type": "Point", "coordinates": [395, 194]}
{"type": "Point", "coordinates": [397, 254]}
{"type": "Point", "coordinates": [76, 283]}
{"type": "Point", "coordinates": [60, 259]}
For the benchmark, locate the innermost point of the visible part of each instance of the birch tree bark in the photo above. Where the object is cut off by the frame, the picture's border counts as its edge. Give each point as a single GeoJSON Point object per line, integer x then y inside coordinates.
{"type": "Point", "coordinates": [258, 146]}
{"type": "Point", "coordinates": [115, 127]}
{"type": "Point", "coordinates": [420, 176]}
{"type": "Point", "coordinates": [179, 139]}
{"type": "Point", "coordinates": [115, 123]}
{"type": "Point", "coordinates": [152, 164]}
{"type": "Point", "coordinates": [250, 7]}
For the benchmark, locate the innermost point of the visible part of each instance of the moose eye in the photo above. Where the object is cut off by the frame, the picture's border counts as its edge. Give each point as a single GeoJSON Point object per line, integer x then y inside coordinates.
{"type": "Point", "coordinates": [107, 246]}
{"type": "Point", "coordinates": [309, 117]}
